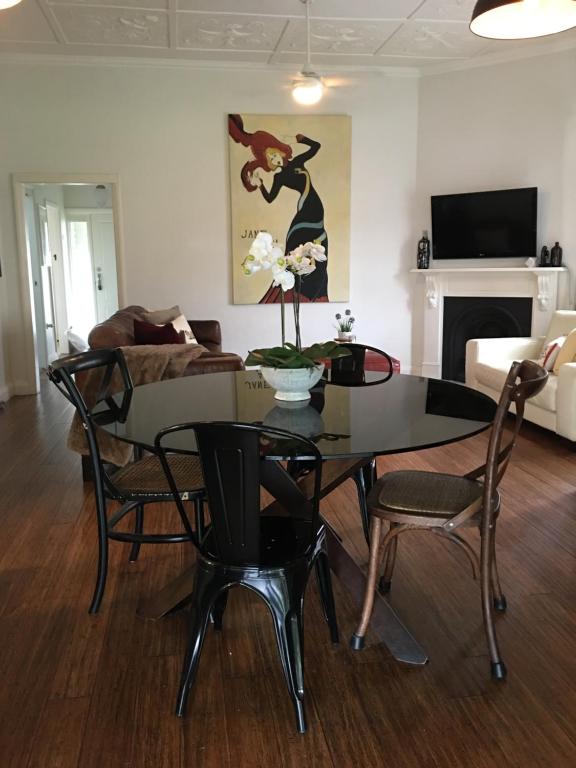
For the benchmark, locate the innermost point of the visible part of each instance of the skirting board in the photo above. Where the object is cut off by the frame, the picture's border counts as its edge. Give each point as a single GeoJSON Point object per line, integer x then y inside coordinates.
{"type": "Point", "coordinates": [5, 394]}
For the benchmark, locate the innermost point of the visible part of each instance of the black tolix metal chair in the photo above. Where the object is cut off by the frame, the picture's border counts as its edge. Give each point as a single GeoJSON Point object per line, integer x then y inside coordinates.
{"type": "Point", "coordinates": [138, 483]}
{"type": "Point", "coordinates": [270, 552]}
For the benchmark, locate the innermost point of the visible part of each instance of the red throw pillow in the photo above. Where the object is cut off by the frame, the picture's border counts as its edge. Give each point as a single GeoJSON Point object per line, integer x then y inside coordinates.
{"type": "Point", "coordinates": [148, 333]}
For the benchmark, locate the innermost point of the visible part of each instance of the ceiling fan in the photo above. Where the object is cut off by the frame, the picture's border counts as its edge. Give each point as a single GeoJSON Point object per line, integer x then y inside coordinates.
{"type": "Point", "coordinates": [307, 88]}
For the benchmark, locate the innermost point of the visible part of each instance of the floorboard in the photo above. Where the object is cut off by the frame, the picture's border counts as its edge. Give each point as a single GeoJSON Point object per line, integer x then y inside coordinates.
{"type": "Point", "coordinates": [82, 691]}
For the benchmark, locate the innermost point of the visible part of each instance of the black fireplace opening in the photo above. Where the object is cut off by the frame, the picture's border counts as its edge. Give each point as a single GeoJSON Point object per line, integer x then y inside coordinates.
{"type": "Point", "coordinates": [471, 317]}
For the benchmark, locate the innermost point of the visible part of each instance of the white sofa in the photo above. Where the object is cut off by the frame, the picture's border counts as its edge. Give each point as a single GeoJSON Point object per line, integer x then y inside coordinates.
{"type": "Point", "coordinates": [489, 360]}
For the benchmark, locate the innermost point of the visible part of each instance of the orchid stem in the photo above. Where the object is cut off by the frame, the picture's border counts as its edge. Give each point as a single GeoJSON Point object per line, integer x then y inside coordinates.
{"type": "Point", "coordinates": [282, 317]}
{"type": "Point", "coordinates": [296, 305]}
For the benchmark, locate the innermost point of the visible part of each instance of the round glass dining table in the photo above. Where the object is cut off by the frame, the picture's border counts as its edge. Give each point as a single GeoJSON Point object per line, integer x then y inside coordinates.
{"type": "Point", "coordinates": [351, 419]}
{"type": "Point", "coordinates": [380, 415]}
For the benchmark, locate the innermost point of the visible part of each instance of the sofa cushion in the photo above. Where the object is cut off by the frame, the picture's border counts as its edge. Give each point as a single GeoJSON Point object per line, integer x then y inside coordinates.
{"type": "Point", "coordinates": [150, 333]}
{"type": "Point", "coordinates": [550, 353]}
{"type": "Point", "coordinates": [183, 326]}
{"type": "Point", "coordinates": [568, 352]}
{"type": "Point", "coordinates": [494, 376]}
{"type": "Point", "coordinates": [563, 321]}
{"type": "Point", "coordinates": [546, 399]}
{"type": "Point", "coordinates": [162, 316]}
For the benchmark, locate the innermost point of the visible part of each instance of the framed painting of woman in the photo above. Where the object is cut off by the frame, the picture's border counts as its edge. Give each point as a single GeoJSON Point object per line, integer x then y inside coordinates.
{"type": "Point", "coordinates": [290, 176]}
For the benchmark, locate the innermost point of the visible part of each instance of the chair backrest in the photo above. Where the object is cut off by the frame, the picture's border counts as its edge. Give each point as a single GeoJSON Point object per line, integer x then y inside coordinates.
{"type": "Point", "coordinates": [237, 460]}
{"type": "Point", "coordinates": [350, 370]}
{"type": "Point", "coordinates": [563, 321]}
{"type": "Point", "coordinates": [525, 379]}
{"type": "Point", "coordinates": [110, 362]}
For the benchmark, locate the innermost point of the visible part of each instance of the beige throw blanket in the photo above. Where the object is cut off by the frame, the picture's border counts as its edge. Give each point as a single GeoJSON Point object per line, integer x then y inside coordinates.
{"type": "Point", "coordinates": [146, 363]}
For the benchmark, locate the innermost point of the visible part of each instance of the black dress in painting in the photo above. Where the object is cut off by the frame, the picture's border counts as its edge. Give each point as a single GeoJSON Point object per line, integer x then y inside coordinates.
{"type": "Point", "coordinates": [306, 226]}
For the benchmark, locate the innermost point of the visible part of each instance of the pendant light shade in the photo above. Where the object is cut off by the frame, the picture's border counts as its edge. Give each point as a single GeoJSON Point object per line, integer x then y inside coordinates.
{"type": "Point", "coordinates": [522, 19]}
{"type": "Point", "coordinates": [8, 4]}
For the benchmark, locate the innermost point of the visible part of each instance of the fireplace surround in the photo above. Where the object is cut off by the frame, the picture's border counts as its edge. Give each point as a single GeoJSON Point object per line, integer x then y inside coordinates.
{"type": "Point", "coordinates": [546, 287]}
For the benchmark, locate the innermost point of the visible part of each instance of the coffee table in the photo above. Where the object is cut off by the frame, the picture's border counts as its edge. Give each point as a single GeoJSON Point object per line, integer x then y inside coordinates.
{"type": "Point", "coordinates": [350, 425]}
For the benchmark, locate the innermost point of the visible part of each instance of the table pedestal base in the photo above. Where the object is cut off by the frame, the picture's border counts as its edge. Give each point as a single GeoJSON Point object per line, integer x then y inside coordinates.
{"type": "Point", "coordinates": [385, 623]}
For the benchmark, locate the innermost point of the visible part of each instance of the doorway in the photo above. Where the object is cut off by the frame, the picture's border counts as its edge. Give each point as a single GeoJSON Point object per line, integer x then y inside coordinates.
{"type": "Point", "coordinates": [69, 249]}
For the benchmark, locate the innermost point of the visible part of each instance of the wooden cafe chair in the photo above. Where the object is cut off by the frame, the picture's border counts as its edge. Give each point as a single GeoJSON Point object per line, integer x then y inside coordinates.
{"type": "Point", "coordinates": [443, 504]}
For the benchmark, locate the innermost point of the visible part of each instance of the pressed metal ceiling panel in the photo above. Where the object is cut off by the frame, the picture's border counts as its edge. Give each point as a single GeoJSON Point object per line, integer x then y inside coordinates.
{"type": "Point", "coordinates": [344, 33]}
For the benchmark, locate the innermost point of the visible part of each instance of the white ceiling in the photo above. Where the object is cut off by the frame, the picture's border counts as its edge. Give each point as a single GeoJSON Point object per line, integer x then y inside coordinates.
{"type": "Point", "coordinates": [345, 33]}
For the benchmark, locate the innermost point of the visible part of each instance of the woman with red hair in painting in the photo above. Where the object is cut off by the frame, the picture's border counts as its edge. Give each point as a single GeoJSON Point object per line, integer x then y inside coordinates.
{"type": "Point", "coordinates": [270, 154]}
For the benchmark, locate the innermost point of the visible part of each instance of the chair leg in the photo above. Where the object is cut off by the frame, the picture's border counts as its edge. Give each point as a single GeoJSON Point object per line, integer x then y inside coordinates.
{"type": "Point", "coordinates": [199, 516]}
{"type": "Point", "coordinates": [499, 600]}
{"type": "Point", "coordinates": [218, 610]}
{"type": "Point", "coordinates": [138, 528]}
{"type": "Point", "coordinates": [357, 641]}
{"type": "Point", "coordinates": [322, 567]}
{"type": "Point", "coordinates": [498, 667]}
{"type": "Point", "coordinates": [202, 600]}
{"type": "Point", "coordinates": [386, 580]}
{"type": "Point", "coordinates": [102, 547]}
{"type": "Point", "coordinates": [288, 623]}
{"type": "Point", "coordinates": [360, 481]}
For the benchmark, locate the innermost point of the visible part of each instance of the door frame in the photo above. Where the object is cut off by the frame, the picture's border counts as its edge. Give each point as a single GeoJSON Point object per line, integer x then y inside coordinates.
{"type": "Point", "coordinates": [30, 384]}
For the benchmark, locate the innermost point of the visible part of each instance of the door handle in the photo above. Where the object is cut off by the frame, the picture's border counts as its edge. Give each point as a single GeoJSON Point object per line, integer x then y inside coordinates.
{"type": "Point", "coordinates": [49, 325]}
{"type": "Point", "coordinates": [99, 279]}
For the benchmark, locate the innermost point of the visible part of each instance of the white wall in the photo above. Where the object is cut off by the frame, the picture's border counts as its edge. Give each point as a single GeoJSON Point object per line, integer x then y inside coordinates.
{"type": "Point", "coordinates": [503, 126]}
{"type": "Point", "coordinates": [163, 131]}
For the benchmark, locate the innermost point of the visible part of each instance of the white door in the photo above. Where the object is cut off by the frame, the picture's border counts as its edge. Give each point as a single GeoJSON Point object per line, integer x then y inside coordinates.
{"type": "Point", "coordinates": [92, 259]}
{"type": "Point", "coordinates": [104, 257]}
{"type": "Point", "coordinates": [58, 275]}
{"type": "Point", "coordinates": [47, 287]}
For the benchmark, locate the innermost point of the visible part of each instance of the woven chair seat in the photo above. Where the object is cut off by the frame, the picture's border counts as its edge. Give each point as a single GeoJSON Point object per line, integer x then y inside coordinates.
{"type": "Point", "coordinates": [146, 477]}
{"type": "Point", "coordinates": [426, 494]}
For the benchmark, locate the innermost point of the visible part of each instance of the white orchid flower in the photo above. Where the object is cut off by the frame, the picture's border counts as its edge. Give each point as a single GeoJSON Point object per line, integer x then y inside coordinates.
{"type": "Point", "coordinates": [284, 279]}
{"type": "Point", "coordinates": [262, 246]}
{"type": "Point", "coordinates": [306, 269]}
{"type": "Point", "coordinates": [315, 251]}
{"type": "Point", "coordinates": [296, 254]}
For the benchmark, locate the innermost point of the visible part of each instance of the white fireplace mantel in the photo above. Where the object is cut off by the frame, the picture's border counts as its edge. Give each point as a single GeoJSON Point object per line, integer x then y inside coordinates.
{"type": "Point", "coordinates": [546, 286]}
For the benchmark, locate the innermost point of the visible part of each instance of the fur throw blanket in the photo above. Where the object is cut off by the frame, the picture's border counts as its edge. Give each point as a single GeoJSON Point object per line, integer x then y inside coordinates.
{"type": "Point", "coordinates": [146, 363]}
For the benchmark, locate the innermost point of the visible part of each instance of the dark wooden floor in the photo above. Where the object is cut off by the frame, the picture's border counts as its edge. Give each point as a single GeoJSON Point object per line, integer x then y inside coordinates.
{"type": "Point", "coordinates": [99, 692]}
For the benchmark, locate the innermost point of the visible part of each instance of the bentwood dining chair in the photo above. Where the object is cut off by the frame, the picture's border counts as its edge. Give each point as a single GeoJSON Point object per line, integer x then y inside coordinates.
{"type": "Point", "coordinates": [270, 552]}
{"type": "Point", "coordinates": [136, 484]}
{"type": "Point", "coordinates": [350, 371]}
{"type": "Point", "coordinates": [443, 504]}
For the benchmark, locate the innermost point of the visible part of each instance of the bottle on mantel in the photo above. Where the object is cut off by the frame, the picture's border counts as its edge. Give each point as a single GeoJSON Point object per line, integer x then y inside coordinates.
{"type": "Point", "coordinates": [423, 260]}
{"type": "Point", "coordinates": [556, 255]}
{"type": "Point", "coordinates": [545, 256]}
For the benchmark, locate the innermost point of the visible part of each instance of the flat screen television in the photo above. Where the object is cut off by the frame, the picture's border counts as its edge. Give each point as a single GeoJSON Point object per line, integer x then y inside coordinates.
{"type": "Point", "coordinates": [485, 225]}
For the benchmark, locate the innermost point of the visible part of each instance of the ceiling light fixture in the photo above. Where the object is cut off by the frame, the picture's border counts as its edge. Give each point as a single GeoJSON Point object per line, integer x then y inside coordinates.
{"type": "Point", "coordinates": [8, 4]}
{"type": "Point", "coordinates": [308, 88]}
{"type": "Point", "coordinates": [522, 19]}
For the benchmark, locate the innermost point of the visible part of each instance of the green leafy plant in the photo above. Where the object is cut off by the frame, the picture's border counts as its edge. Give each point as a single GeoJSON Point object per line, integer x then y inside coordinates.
{"type": "Point", "coordinates": [288, 356]}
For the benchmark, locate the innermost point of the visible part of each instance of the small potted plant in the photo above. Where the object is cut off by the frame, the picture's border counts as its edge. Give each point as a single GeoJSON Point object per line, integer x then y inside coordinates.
{"type": "Point", "coordinates": [345, 324]}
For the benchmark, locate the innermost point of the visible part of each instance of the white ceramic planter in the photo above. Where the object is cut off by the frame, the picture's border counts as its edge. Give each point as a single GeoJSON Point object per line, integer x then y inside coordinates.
{"type": "Point", "coordinates": [292, 383]}
{"type": "Point", "coordinates": [346, 336]}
